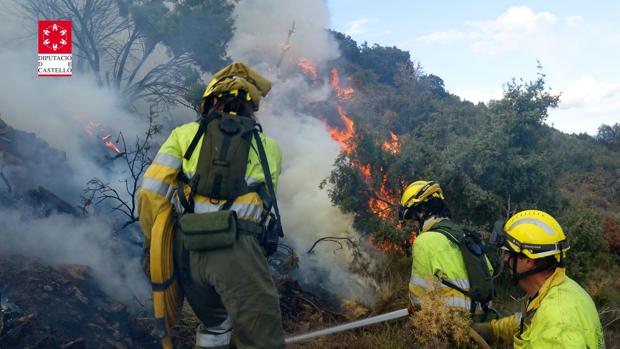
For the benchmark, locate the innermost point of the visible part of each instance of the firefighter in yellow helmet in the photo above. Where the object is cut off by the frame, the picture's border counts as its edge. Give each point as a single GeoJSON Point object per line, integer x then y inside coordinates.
{"type": "Point", "coordinates": [558, 312]}
{"type": "Point", "coordinates": [437, 255]}
{"type": "Point", "coordinates": [220, 184]}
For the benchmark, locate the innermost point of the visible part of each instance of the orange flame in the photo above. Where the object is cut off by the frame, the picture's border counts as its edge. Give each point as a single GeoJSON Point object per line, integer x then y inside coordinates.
{"type": "Point", "coordinates": [386, 246]}
{"type": "Point", "coordinates": [393, 146]}
{"type": "Point", "coordinates": [343, 136]}
{"type": "Point", "coordinates": [365, 170]}
{"type": "Point", "coordinates": [108, 143]}
{"type": "Point", "coordinates": [94, 129]}
{"type": "Point", "coordinates": [380, 205]}
{"type": "Point", "coordinates": [342, 93]}
{"type": "Point", "coordinates": [307, 67]}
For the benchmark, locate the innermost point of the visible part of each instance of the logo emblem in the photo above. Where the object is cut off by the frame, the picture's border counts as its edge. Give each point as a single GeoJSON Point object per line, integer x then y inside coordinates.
{"type": "Point", "coordinates": [54, 53]}
{"type": "Point", "coordinates": [55, 37]}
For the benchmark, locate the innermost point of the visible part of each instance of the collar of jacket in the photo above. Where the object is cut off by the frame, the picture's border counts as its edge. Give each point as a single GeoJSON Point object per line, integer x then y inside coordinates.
{"type": "Point", "coordinates": [430, 222]}
{"type": "Point", "coordinates": [555, 279]}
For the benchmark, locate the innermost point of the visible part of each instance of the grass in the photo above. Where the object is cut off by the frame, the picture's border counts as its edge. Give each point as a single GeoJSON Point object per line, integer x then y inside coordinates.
{"type": "Point", "coordinates": [431, 327]}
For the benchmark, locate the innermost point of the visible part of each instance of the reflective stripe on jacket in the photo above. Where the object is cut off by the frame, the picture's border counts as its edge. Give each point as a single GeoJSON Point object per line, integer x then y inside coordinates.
{"type": "Point", "coordinates": [435, 256]}
{"type": "Point", "coordinates": [159, 182]}
{"type": "Point", "coordinates": [562, 315]}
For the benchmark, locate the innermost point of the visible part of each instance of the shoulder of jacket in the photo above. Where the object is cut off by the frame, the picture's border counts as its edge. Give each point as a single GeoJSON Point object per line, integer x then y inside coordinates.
{"type": "Point", "coordinates": [569, 291]}
{"type": "Point", "coordinates": [432, 237]}
{"type": "Point", "coordinates": [270, 143]}
{"type": "Point", "coordinates": [267, 139]}
{"type": "Point", "coordinates": [187, 127]}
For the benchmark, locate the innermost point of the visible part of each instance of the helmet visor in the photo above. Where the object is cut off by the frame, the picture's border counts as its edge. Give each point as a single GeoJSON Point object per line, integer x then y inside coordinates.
{"type": "Point", "coordinates": [535, 251]}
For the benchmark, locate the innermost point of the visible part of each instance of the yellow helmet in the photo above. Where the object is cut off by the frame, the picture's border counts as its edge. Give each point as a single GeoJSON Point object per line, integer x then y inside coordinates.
{"type": "Point", "coordinates": [235, 78]}
{"type": "Point", "coordinates": [535, 234]}
{"type": "Point", "coordinates": [416, 193]}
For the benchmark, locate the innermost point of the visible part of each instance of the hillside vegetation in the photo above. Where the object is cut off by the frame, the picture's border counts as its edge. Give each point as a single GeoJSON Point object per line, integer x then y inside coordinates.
{"type": "Point", "coordinates": [491, 159]}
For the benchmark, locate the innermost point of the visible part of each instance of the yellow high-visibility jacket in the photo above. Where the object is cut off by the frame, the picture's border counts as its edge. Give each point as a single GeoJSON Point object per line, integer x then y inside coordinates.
{"type": "Point", "coordinates": [562, 315]}
{"type": "Point", "coordinates": [159, 182]}
{"type": "Point", "coordinates": [435, 257]}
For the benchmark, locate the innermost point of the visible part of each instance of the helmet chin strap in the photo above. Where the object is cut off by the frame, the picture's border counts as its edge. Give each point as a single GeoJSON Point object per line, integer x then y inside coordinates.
{"type": "Point", "coordinates": [516, 277]}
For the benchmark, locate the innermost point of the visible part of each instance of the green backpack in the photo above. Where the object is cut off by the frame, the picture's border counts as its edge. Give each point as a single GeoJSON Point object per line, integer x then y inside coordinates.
{"type": "Point", "coordinates": [481, 288]}
{"type": "Point", "coordinates": [222, 163]}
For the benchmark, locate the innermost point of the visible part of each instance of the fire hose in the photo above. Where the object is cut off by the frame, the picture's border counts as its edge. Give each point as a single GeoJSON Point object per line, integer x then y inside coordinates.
{"type": "Point", "coordinates": [369, 321]}
{"type": "Point", "coordinates": [167, 293]}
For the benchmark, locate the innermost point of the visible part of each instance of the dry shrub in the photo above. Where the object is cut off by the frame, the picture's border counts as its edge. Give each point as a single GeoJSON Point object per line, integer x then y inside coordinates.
{"type": "Point", "coordinates": [354, 309]}
{"type": "Point", "coordinates": [434, 324]}
{"type": "Point", "coordinates": [611, 232]}
{"type": "Point", "coordinates": [603, 285]}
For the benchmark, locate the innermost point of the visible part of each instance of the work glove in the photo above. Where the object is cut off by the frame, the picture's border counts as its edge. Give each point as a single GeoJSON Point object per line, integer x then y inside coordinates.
{"type": "Point", "coordinates": [485, 330]}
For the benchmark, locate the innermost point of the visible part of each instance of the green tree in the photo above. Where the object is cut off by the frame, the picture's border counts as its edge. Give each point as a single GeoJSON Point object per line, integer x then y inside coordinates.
{"type": "Point", "coordinates": [113, 40]}
{"type": "Point", "coordinates": [609, 136]}
{"type": "Point", "coordinates": [199, 28]}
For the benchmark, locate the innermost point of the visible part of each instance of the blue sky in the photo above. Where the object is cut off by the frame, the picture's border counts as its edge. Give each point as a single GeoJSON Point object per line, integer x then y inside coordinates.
{"type": "Point", "coordinates": [477, 46]}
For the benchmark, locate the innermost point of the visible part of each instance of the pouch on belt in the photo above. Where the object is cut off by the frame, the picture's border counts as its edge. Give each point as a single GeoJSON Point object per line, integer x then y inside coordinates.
{"type": "Point", "coordinates": [209, 231]}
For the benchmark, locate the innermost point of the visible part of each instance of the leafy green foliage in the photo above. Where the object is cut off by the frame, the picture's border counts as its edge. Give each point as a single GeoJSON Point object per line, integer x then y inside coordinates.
{"type": "Point", "coordinates": [491, 160]}
{"type": "Point", "coordinates": [585, 234]}
{"type": "Point", "coordinates": [201, 28]}
{"type": "Point", "coordinates": [609, 136]}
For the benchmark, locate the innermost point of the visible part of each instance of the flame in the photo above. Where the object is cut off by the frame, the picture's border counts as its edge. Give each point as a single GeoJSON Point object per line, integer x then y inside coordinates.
{"type": "Point", "coordinates": [386, 246]}
{"type": "Point", "coordinates": [108, 143]}
{"type": "Point", "coordinates": [392, 146]}
{"type": "Point", "coordinates": [307, 67]}
{"type": "Point", "coordinates": [94, 129]}
{"type": "Point", "coordinates": [380, 205]}
{"type": "Point", "coordinates": [342, 93]}
{"type": "Point", "coordinates": [343, 136]}
{"type": "Point", "coordinates": [365, 170]}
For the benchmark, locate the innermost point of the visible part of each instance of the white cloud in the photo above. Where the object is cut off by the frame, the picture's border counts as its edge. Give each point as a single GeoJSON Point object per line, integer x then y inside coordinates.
{"type": "Point", "coordinates": [514, 29]}
{"type": "Point", "coordinates": [573, 20]}
{"type": "Point", "coordinates": [585, 105]}
{"type": "Point", "coordinates": [357, 26]}
{"type": "Point", "coordinates": [516, 18]}
{"type": "Point", "coordinates": [587, 90]}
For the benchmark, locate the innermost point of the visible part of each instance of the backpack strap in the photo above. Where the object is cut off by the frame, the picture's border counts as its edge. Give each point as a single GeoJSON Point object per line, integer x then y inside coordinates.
{"type": "Point", "coordinates": [202, 128]}
{"type": "Point", "coordinates": [454, 239]}
{"type": "Point", "coordinates": [271, 191]}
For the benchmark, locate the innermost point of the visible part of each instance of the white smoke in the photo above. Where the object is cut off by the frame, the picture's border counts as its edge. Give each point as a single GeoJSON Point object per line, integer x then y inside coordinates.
{"type": "Point", "coordinates": [62, 239]}
{"type": "Point", "coordinates": [56, 109]}
{"type": "Point", "coordinates": [262, 28]}
{"type": "Point", "coordinates": [308, 152]}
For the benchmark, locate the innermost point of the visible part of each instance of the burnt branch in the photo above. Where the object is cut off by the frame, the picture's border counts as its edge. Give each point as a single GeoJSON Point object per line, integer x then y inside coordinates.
{"type": "Point", "coordinates": [334, 239]}
{"type": "Point", "coordinates": [136, 158]}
